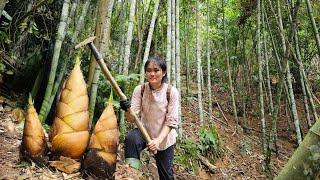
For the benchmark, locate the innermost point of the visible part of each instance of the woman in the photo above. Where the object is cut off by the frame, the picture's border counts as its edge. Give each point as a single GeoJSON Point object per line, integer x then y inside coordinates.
{"type": "Point", "coordinates": [156, 102]}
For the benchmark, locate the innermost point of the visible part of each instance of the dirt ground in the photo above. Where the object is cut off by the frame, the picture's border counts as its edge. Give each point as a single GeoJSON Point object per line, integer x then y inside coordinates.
{"type": "Point", "coordinates": [242, 157]}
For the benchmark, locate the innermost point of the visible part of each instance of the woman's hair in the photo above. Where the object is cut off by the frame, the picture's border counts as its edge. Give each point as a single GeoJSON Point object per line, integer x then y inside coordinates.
{"type": "Point", "coordinates": [161, 63]}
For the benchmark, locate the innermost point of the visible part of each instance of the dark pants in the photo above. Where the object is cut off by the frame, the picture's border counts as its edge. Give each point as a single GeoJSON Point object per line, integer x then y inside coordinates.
{"type": "Point", "coordinates": [135, 143]}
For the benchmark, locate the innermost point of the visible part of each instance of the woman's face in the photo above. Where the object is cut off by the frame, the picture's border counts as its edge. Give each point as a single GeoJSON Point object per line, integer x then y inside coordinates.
{"type": "Point", "coordinates": [154, 73]}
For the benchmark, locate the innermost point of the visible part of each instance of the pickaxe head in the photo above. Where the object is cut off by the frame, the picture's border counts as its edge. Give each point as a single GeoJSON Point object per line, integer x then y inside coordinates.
{"type": "Point", "coordinates": [85, 42]}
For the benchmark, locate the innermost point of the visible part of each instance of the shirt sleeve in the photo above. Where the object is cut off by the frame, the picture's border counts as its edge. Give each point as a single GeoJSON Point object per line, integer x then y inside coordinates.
{"type": "Point", "coordinates": [173, 108]}
{"type": "Point", "coordinates": [136, 100]}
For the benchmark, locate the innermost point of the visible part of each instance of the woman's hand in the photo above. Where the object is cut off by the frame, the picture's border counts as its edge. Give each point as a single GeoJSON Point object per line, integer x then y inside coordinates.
{"type": "Point", "coordinates": [125, 104]}
{"type": "Point", "coordinates": [154, 144]}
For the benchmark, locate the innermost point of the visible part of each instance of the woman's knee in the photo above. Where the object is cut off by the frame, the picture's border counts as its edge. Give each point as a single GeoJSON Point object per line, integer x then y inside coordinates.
{"type": "Point", "coordinates": [134, 137]}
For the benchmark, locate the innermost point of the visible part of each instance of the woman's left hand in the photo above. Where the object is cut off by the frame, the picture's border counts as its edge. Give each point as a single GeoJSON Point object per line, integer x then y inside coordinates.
{"type": "Point", "coordinates": [153, 145]}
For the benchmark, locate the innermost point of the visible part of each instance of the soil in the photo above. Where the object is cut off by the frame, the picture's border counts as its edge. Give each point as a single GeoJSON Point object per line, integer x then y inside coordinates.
{"type": "Point", "coordinates": [242, 156]}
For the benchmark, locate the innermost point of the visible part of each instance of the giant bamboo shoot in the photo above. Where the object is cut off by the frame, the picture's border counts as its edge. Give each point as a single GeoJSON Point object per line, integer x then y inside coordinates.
{"type": "Point", "coordinates": [69, 134]}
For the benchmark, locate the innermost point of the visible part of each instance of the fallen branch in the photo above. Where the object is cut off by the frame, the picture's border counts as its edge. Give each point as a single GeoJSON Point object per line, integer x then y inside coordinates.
{"type": "Point", "coordinates": [214, 118]}
{"type": "Point", "coordinates": [207, 163]}
{"type": "Point", "coordinates": [217, 119]}
{"type": "Point", "coordinates": [315, 98]}
{"type": "Point", "coordinates": [251, 129]}
{"type": "Point", "coordinates": [224, 117]}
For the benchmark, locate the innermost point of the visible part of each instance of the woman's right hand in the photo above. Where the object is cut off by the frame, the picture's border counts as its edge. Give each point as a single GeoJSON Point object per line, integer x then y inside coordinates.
{"type": "Point", "coordinates": [125, 104]}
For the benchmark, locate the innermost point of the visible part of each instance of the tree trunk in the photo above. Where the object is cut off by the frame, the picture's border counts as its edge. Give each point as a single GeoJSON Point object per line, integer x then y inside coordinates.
{"type": "Point", "coordinates": [245, 81]}
{"type": "Point", "coordinates": [72, 15]}
{"type": "Point", "coordinates": [37, 82]}
{"type": "Point", "coordinates": [122, 18]}
{"type": "Point", "coordinates": [148, 43]}
{"type": "Point", "coordinates": [105, 40]}
{"type": "Point", "coordinates": [209, 64]}
{"type": "Point", "coordinates": [314, 25]}
{"type": "Point", "coordinates": [228, 66]}
{"type": "Point", "coordinates": [100, 24]}
{"type": "Point", "coordinates": [200, 106]}
{"type": "Point", "coordinates": [304, 163]}
{"type": "Point", "coordinates": [129, 38]}
{"type": "Point", "coordinates": [142, 19]}
{"type": "Point", "coordinates": [169, 44]}
{"type": "Point", "coordinates": [178, 73]}
{"type": "Point", "coordinates": [288, 78]}
{"type": "Point", "coordinates": [301, 71]}
{"type": "Point", "coordinates": [173, 42]}
{"type": "Point", "coordinates": [64, 63]}
{"type": "Point", "coordinates": [54, 63]}
{"type": "Point", "coordinates": [80, 21]}
{"type": "Point", "coordinates": [266, 57]}
{"type": "Point", "coordinates": [185, 37]}
{"type": "Point", "coordinates": [103, 22]}
{"type": "Point", "coordinates": [177, 50]}
{"type": "Point", "coordinates": [273, 133]}
{"type": "Point", "coordinates": [261, 93]}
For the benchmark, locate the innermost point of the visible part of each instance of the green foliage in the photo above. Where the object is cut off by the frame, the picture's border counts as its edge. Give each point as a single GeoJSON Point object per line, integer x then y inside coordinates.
{"type": "Point", "coordinates": [126, 83]}
{"type": "Point", "coordinates": [4, 37]}
{"type": "Point", "coordinates": [2, 67]}
{"type": "Point", "coordinates": [127, 80]}
{"type": "Point", "coordinates": [224, 87]}
{"type": "Point", "coordinates": [187, 153]}
{"type": "Point", "coordinates": [210, 145]}
{"type": "Point", "coordinates": [23, 164]}
{"type": "Point", "coordinates": [4, 70]}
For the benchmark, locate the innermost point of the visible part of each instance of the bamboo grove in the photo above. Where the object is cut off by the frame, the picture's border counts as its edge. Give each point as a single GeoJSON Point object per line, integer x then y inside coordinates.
{"type": "Point", "coordinates": [264, 53]}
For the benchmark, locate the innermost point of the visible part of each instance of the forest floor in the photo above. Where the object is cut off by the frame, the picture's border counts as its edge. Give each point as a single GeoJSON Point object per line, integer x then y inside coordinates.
{"type": "Point", "coordinates": [242, 157]}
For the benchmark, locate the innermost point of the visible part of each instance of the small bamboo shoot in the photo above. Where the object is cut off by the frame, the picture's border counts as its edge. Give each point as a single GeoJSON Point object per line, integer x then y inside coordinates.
{"type": "Point", "coordinates": [34, 145]}
{"type": "Point", "coordinates": [101, 156]}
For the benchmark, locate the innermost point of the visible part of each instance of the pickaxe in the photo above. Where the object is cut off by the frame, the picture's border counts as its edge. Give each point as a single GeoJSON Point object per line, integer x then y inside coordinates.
{"type": "Point", "coordinates": [106, 72]}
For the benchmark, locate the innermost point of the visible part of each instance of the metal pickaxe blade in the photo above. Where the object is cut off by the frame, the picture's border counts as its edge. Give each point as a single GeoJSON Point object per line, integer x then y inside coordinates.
{"type": "Point", "coordinates": [106, 72]}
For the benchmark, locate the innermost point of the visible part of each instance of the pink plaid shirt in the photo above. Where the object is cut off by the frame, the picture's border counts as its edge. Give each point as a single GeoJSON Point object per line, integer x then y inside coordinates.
{"type": "Point", "coordinates": [157, 112]}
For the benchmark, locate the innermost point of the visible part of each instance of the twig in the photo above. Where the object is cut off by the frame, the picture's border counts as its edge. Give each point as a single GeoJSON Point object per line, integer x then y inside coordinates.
{"type": "Point", "coordinates": [34, 8]}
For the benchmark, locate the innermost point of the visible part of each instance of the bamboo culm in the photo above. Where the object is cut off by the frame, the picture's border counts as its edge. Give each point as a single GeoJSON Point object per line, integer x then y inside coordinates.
{"type": "Point", "coordinates": [56, 54]}
{"type": "Point", "coordinates": [198, 54]}
{"type": "Point", "coordinates": [149, 38]}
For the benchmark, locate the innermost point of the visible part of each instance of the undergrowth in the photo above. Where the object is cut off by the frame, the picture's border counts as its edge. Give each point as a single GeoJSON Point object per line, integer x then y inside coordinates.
{"type": "Point", "coordinates": [208, 146]}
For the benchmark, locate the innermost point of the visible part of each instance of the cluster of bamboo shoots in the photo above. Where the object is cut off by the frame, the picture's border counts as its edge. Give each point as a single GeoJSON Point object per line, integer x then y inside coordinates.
{"type": "Point", "coordinates": [69, 135]}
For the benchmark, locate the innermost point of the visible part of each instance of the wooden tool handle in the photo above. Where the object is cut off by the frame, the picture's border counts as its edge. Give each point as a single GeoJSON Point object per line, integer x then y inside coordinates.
{"type": "Point", "coordinates": [119, 92]}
